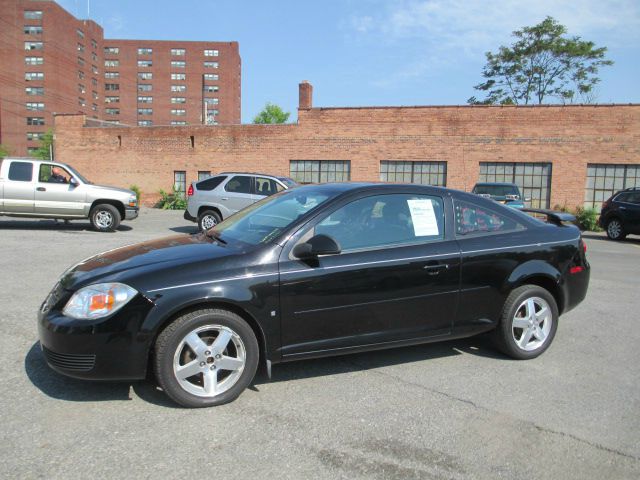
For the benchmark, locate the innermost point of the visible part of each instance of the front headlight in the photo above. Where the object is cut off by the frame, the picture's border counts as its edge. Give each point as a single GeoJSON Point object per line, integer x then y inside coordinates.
{"type": "Point", "coordinates": [99, 300]}
{"type": "Point", "coordinates": [133, 201]}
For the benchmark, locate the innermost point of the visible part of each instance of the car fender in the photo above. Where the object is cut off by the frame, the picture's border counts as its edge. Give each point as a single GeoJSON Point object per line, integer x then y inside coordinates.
{"type": "Point", "coordinates": [540, 273]}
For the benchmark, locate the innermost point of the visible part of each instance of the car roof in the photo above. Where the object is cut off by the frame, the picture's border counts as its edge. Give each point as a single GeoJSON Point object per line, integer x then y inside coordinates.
{"type": "Point", "coordinates": [496, 183]}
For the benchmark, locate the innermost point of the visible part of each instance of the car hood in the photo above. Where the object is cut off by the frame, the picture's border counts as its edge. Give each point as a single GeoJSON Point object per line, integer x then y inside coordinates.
{"type": "Point", "coordinates": [124, 262]}
{"type": "Point", "coordinates": [124, 191]}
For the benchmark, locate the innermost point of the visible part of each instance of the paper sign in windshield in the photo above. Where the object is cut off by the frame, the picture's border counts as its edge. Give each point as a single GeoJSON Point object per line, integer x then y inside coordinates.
{"type": "Point", "coordinates": [423, 217]}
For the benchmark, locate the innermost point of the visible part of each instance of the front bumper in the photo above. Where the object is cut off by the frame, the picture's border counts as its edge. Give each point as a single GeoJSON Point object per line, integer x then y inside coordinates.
{"type": "Point", "coordinates": [113, 348]}
{"type": "Point", "coordinates": [131, 213]}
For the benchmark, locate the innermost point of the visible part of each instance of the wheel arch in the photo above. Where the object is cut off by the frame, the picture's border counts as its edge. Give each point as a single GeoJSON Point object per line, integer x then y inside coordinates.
{"type": "Point", "coordinates": [541, 274]}
{"type": "Point", "coordinates": [109, 201]}
{"type": "Point", "coordinates": [199, 305]}
{"type": "Point", "coordinates": [202, 208]}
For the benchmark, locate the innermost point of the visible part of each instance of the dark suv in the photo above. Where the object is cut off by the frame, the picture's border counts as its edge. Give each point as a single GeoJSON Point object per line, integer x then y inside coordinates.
{"type": "Point", "coordinates": [620, 214]}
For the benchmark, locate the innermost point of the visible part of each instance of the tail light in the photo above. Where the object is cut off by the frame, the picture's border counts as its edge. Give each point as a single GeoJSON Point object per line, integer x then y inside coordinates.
{"type": "Point", "coordinates": [190, 190]}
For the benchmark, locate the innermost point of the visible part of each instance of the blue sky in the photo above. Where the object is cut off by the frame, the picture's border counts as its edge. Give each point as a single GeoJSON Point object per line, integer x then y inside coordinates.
{"type": "Point", "coordinates": [373, 52]}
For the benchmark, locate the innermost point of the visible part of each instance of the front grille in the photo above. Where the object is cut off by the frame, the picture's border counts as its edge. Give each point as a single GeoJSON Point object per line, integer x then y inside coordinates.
{"type": "Point", "coordinates": [69, 361]}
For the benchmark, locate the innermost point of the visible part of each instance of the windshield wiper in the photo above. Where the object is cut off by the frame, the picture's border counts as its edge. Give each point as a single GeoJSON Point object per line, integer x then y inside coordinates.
{"type": "Point", "coordinates": [212, 234]}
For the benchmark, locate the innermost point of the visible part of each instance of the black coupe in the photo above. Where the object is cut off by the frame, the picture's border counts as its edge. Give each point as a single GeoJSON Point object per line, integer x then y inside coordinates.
{"type": "Point", "coordinates": [314, 271]}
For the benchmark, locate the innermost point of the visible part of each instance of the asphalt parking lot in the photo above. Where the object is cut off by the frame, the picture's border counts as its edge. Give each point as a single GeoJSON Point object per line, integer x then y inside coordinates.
{"type": "Point", "coordinates": [450, 410]}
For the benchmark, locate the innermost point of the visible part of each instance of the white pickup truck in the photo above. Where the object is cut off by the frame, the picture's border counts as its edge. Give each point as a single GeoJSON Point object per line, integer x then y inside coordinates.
{"type": "Point", "coordinates": [44, 189]}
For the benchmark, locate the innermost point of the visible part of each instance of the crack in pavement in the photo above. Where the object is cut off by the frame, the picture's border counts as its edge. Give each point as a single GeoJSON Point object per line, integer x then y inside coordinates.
{"type": "Point", "coordinates": [480, 407]}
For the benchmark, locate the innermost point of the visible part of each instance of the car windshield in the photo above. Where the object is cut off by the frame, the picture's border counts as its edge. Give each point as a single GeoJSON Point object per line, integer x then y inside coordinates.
{"type": "Point", "coordinates": [265, 220]}
{"type": "Point", "coordinates": [77, 174]}
{"type": "Point", "coordinates": [496, 190]}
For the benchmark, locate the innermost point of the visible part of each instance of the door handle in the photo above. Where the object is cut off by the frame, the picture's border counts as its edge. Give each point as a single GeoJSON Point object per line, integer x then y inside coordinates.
{"type": "Point", "coordinates": [225, 198]}
{"type": "Point", "coordinates": [41, 189]}
{"type": "Point", "coordinates": [436, 269]}
{"type": "Point", "coordinates": [622, 208]}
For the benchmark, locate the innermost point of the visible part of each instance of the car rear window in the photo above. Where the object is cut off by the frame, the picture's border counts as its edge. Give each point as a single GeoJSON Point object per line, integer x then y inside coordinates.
{"type": "Point", "coordinates": [479, 220]}
{"type": "Point", "coordinates": [495, 190]}
{"type": "Point", "coordinates": [21, 171]}
{"type": "Point", "coordinates": [210, 183]}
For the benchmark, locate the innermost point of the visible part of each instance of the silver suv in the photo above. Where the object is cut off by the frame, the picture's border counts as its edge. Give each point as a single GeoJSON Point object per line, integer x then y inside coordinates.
{"type": "Point", "coordinates": [213, 199]}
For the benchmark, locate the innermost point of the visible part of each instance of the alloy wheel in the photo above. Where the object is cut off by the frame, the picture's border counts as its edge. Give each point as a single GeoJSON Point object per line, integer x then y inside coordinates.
{"type": "Point", "coordinates": [614, 229]}
{"type": "Point", "coordinates": [532, 324]}
{"type": "Point", "coordinates": [104, 219]}
{"type": "Point", "coordinates": [208, 221]}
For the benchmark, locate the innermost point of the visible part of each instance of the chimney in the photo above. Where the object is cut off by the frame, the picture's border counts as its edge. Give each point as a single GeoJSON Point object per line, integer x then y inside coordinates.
{"type": "Point", "coordinates": [305, 101]}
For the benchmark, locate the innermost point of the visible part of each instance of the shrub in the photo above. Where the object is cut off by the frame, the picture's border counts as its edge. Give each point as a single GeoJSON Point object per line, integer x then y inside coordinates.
{"type": "Point", "coordinates": [172, 201]}
{"type": "Point", "coordinates": [587, 219]}
{"type": "Point", "coordinates": [136, 190]}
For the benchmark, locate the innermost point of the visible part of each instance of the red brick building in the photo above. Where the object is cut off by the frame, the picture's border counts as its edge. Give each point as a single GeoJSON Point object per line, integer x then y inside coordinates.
{"type": "Point", "coordinates": [573, 155]}
{"type": "Point", "coordinates": [55, 63]}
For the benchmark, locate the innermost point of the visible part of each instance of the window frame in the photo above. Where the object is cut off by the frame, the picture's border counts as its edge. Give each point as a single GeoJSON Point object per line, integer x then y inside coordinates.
{"type": "Point", "coordinates": [485, 233]}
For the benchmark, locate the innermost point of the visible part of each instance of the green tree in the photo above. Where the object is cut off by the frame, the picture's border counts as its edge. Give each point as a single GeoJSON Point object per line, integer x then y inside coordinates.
{"type": "Point", "coordinates": [43, 151]}
{"type": "Point", "coordinates": [542, 63]}
{"type": "Point", "coordinates": [4, 151]}
{"type": "Point", "coordinates": [271, 113]}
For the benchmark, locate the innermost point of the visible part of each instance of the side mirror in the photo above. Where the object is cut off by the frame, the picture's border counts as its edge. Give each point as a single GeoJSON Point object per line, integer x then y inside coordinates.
{"type": "Point", "coordinates": [318, 245]}
{"type": "Point", "coordinates": [73, 182]}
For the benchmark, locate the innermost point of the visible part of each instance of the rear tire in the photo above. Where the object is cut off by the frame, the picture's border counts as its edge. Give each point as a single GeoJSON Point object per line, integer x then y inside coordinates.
{"type": "Point", "coordinates": [208, 219]}
{"type": "Point", "coordinates": [615, 231]}
{"type": "Point", "coordinates": [105, 218]}
{"type": "Point", "coordinates": [528, 324]}
{"type": "Point", "coordinates": [206, 358]}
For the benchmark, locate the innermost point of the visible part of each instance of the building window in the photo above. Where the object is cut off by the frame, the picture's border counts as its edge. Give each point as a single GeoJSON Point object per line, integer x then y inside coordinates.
{"type": "Point", "coordinates": [426, 173]}
{"type": "Point", "coordinates": [145, 63]}
{"type": "Point", "coordinates": [94, 57]}
{"type": "Point", "coordinates": [81, 48]}
{"type": "Point", "coordinates": [178, 100]}
{"type": "Point", "coordinates": [145, 111]}
{"type": "Point", "coordinates": [82, 102]}
{"type": "Point", "coordinates": [35, 120]}
{"type": "Point", "coordinates": [112, 99]}
{"type": "Point", "coordinates": [178, 52]}
{"type": "Point", "coordinates": [180, 181]}
{"type": "Point", "coordinates": [31, 151]}
{"type": "Point", "coordinates": [37, 106]}
{"type": "Point", "coordinates": [111, 50]}
{"type": "Point", "coordinates": [178, 122]}
{"type": "Point", "coordinates": [94, 82]}
{"type": "Point", "coordinates": [211, 76]}
{"type": "Point", "coordinates": [33, 60]}
{"type": "Point", "coordinates": [178, 88]}
{"type": "Point", "coordinates": [80, 33]}
{"type": "Point", "coordinates": [112, 111]}
{"type": "Point", "coordinates": [94, 69]}
{"type": "Point", "coordinates": [80, 61]}
{"type": "Point", "coordinates": [145, 51]}
{"type": "Point", "coordinates": [35, 135]}
{"type": "Point", "coordinates": [94, 107]}
{"type": "Point", "coordinates": [112, 63]}
{"type": "Point", "coordinates": [145, 75]}
{"type": "Point", "coordinates": [31, 76]}
{"type": "Point", "coordinates": [112, 86]}
{"type": "Point", "coordinates": [80, 75]}
{"type": "Point", "coordinates": [81, 88]}
{"type": "Point", "coordinates": [178, 64]}
{"type": "Point", "coordinates": [533, 179]}
{"type": "Point", "coordinates": [211, 88]}
{"type": "Point", "coordinates": [145, 123]}
{"type": "Point", "coordinates": [33, 14]}
{"type": "Point", "coordinates": [603, 180]}
{"type": "Point", "coordinates": [320, 171]}
{"type": "Point", "coordinates": [33, 45]}
{"type": "Point", "coordinates": [34, 90]}
{"type": "Point", "coordinates": [203, 174]}
{"type": "Point", "coordinates": [94, 44]}
{"type": "Point", "coordinates": [211, 101]}
{"type": "Point", "coordinates": [210, 64]}
{"type": "Point", "coordinates": [145, 99]}
{"type": "Point", "coordinates": [111, 75]}
{"type": "Point", "coordinates": [178, 76]}
{"type": "Point", "coordinates": [145, 87]}
{"type": "Point", "coordinates": [94, 94]}
{"type": "Point", "coordinates": [32, 30]}
{"type": "Point", "coordinates": [178, 112]}
{"type": "Point", "coordinates": [211, 53]}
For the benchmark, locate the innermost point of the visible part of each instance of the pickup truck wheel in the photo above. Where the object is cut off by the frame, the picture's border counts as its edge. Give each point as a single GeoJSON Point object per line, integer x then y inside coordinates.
{"type": "Point", "coordinates": [528, 324]}
{"type": "Point", "coordinates": [208, 219]}
{"type": "Point", "coordinates": [105, 217]}
{"type": "Point", "coordinates": [206, 358]}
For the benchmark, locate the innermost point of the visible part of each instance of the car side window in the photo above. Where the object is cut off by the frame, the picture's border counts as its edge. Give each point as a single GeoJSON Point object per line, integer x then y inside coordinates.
{"type": "Point", "coordinates": [53, 174]}
{"type": "Point", "coordinates": [210, 183]}
{"type": "Point", "coordinates": [265, 186]}
{"type": "Point", "coordinates": [280, 187]}
{"type": "Point", "coordinates": [21, 171]}
{"type": "Point", "coordinates": [239, 184]}
{"type": "Point", "coordinates": [385, 220]}
{"type": "Point", "coordinates": [479, 220]}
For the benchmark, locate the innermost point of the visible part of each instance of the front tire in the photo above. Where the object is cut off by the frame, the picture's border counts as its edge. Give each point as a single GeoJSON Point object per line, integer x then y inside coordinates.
{"type": "Point", "coordinates": [528, 324]}
{"type": "Point", "coordinates": [105, 218]}
{"type": "Point", "coordinates": [206, 358]}
{"type": "Point", "coordinates": [615, 231]}
{"type": "Point", "coordinates": [208, 219]}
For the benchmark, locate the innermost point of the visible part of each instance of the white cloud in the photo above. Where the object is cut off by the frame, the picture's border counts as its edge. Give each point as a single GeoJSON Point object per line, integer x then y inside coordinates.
{"type": "Point", "coordinates": [362, 24]}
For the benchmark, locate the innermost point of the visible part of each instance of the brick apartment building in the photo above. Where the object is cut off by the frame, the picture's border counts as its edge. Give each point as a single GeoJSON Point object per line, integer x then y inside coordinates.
{"type": "Point", "coordinates": [53, 63]}
{"type": "Point", "coordinates": [558, 155]}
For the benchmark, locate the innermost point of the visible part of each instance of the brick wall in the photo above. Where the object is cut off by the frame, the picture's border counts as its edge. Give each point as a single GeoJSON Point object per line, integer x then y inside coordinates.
{"type": "Point", "coordinates": [567, 136]}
